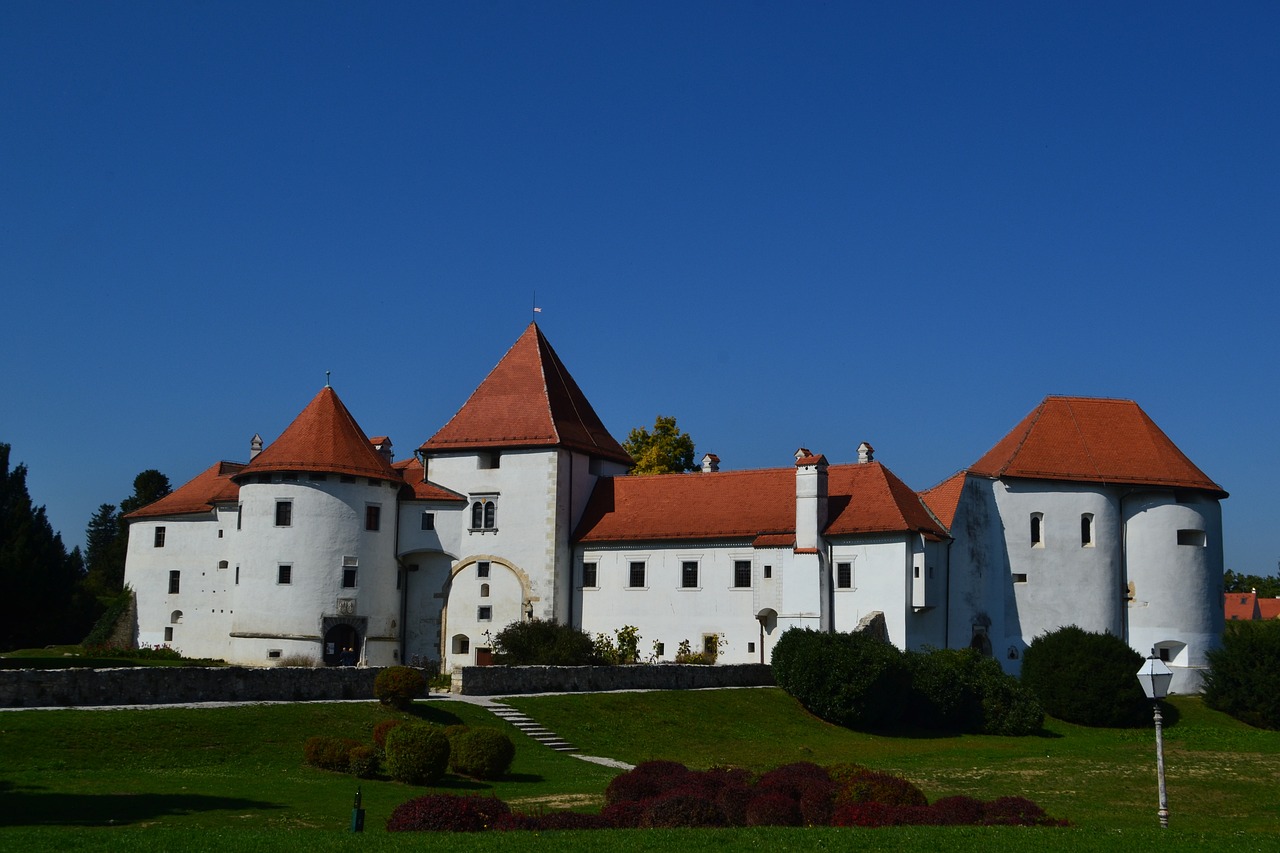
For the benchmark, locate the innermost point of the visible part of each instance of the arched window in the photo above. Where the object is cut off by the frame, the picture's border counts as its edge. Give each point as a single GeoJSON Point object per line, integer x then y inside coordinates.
{"type": "Point", "coordinates": [1086, 530]}
{"type": "Point", "coordinates": [1037, 530]}
{"type": "Point", "coordinates": [489, 515]}
{"type": "Point", "coordinates": [477, 515]}
{"type": "Point", "coordinates": [484, 590]}
{"type": "Point", "coordinates": [483, 514]}
{"type": "Point", "coordinates": [175, 617]}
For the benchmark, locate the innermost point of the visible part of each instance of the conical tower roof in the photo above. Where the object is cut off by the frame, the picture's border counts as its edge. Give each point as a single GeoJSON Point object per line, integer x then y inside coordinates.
{"type": "Point", "coordinates": [528, 400]}
{"type": "Point", "coordinates": [323, 439]}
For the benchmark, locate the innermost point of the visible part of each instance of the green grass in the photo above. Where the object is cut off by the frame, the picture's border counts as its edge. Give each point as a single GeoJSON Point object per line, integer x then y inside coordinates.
{"type": "Point", "coordinates": [78, 657]}
{"type": "Point", "coordinates": [232, 778]}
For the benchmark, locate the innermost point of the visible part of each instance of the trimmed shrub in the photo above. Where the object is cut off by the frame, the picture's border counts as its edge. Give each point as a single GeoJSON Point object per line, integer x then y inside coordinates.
{"type": "Point", "coordinates": [1086, 678]}
{"type": "Point", "coordinates": [624, 814]}
{"type": "Point", "coordinates": [773, 808]}
{"type": "Point", "coordinates": [514, 821]}
{"type": "Point", "coordinates": [1016, 811]}
{"type": "Point", "coordinates": [329, 753]}
{"type": "Point", "coordinates": [872, 814]}
{"type": "Point", "coordinates": [481, 753]}
{"type": "Point", "coordinates": [680, 810]}
{"type": "Point", "coordinates": [958, 811]}
{"type": "Point", "coordinates": [417, 753]}
{"type": "Point", "coordinates": [645, 781]}
{"type": "Point", "coordinates": [540, 642]}
{"type": "Point", "coordinates": [398, 686]}
{"type": "Point", "coordinates": [852, 680]}
{"type": "Point", "coordinates": [382, 729]}
{"type": "Point", "coordinates": [362, 761]}
{"type": "Point", "coordinates": [1010, 708]}
{"type": "Point", "coordinates": [445, 813]}
{"type": "Point", "coordinates": [1242, 679]}
{"type": "Point", "coordinates": [874, 787]}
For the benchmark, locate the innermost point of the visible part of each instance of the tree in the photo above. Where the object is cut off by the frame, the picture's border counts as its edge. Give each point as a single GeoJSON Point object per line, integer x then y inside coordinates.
{"type": "Point", "coordinates": [107, 536]}
{"type": "Point", "coordinates": [148, 487]}
{"type": "Point", "coordinates": [666, 450]}
{"type": "Point", "coordinates": [1267, 587]}
{"type": "Point", "coordinates": [36, 572]}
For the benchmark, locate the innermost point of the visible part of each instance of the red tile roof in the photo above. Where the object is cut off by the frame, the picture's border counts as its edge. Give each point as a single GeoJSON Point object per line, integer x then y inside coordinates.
{"type": "Point", "coordinates": [212, 486]}
{"type": "Point", "coordinates": [1240, 605]}
{"type": "Point", "coordinates": [1092, 440]}
{"type": "Point", "coordinates": [528, 400]}
{"type": "Point", "coordinates": [944, 498]}
{"type": "Point", "coordinates": [419, 489]}
{"type": "Point", "coordinates": [1269, 608]}
{"type": "Point", "coordinates": [759, 505]}
{"type": "Point", "coordinates": [323, 438]}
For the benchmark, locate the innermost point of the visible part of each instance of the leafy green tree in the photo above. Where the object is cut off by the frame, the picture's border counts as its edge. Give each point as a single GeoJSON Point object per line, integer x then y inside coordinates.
{"type": "Point", "coordinates": [666, 450]}
{"type": "Point", "coordinates": [1244, 673]}
{"type": "Point", "coordinates": [107, 536]}
{"type": "Point", "coordinates": [148, 487]}
{"type": "Point", "coordinates": [1267, 587]}
{"type": "Point", "coordinates": [1086, 678]}
{"type": "Point", "coordinates": [37, 574]}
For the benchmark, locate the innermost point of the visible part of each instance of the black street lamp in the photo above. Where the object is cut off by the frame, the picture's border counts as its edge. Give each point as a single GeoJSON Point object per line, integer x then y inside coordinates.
{"type": "Point", "coordinates": [1155, 678]}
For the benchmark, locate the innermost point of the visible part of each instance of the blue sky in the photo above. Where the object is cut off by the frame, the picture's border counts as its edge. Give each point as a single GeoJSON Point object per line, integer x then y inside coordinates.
{"type": "Point", "coordinates": [784, 224]}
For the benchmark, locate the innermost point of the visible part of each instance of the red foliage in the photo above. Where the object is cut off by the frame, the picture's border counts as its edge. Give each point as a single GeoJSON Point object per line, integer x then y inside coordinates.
{"type": "Point", "coordinates": [626, 814]}
{"type": "Point", "coordinates": [440, 813]}
{"type": "Point", "coordinates": [514, 821]}
{"type": "Point", "coordinates": [871, 814]}
{"type": "Point", "coordinates": [1016, 811]}
{"type": "Point", "coordinates": [958, 811]}
{"type": "Point", "coordinates": [682, 810]}
{"type": "Point", "coordinates": [873, 787]}
{"type": "Point", "coordinates": [772, 808]}
{"type": "Point", "coordinates": [382, 729]}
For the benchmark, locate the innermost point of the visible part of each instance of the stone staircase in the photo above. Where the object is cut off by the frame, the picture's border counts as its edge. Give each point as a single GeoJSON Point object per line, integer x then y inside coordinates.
{"type": "Point", "coordinates": [547, 738]}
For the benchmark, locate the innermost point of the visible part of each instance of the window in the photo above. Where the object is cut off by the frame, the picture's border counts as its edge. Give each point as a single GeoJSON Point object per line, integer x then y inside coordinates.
{"type": "Point", "coordinates": [223, 564]}
{"type": "Point", "coordinates": [844, 575]}
{"type": "Point", "coordinates": [689, 574]}
{"type": "Point", "coordinates": [1037, 530]}
{"type": "Point", "coordinates": [219, 533]}
{"type": "Point", "coordinates": [710, 644]}
{"type": "Point", "coordinates": [589, 577]}
{"type": "Point", "coordinates": [461, 644]}
{"type": "Point", "coordinates": [484, 613]}
{"type": "Point", "coordinates": [349, 578]}
{"type": "Point", "coordinates": [428, 520]}
{"type": "Point", "coordinates": [284, 574]}
{"type": "Point", "coordinates": [484, 590]}
{"type": "Point", "coordinates": [372, 517]}
{"type": "Point", "coordinates": [168, 635]}
{"type": "Point", "coordinates": [275, 654]}
{"type": "Point", "coordinates": [659, 649]}
{"type": "Point", "coordinates": [237, 575]}
{"type": "Point", "coordinates": [159, 540]}
{"type": "Point", "coordinates": [751, 647]}
{"type": "Point", "coordinates": [482, 569]}
{"type": "Point", "coordinates": [489, 460]}
{"type": "Point", "coordinates": [741, 573]}
{"type": "Point", "coordinates": [768, 572]}
{"type": "Point", "coordinates": [1086, 530]}
{"type": "Point", "coordinates": [284, 513]}
{"type": "Point", "coordinates": [175, 579]}
{"type": "Point", "coordinates": [1194, 538]}
{"type": "Point", "coordinates": [239, 515]}
{"type": "Point", "coordinates": [1019, 577]}
{"type": "Point", "coordinates": [637, 574]}
{"type": "Point", "coordinates": [483, 515]}
{"type": "Point", "coordinates": [346, 478]}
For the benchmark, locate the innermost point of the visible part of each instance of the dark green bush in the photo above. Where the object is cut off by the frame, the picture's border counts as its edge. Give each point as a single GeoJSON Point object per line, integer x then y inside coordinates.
{"type": "Point", "coordinates": [481, 753]}
{"type": "Point", "coordinates": [851, 680]}
{"type": "Point", "coordinates": [1244, 674]}
{"type": "Point", "coordinates": [543, 643]}
{"type": "Point", "coordinates": [417, 753]}
{"type": "Point", "coordinates": [961, 690]}
{"type": "Point", "coordinates": [362, 761]}
{"type": "Point", "coordinates": [398, 686]}
{"type": "Point", "coordinates": [329, 753]}
{"type": "Point", "coordinates": [1086, 678]}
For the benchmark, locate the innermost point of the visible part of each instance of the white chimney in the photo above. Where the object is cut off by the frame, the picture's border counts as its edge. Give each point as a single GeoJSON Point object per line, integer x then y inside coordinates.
{"type": "Point", "coordinates": [866, 453]}
{"type": "Point", "coordinates": [255, 446]}
{"type": "Point", "coordinates": [710, 463]}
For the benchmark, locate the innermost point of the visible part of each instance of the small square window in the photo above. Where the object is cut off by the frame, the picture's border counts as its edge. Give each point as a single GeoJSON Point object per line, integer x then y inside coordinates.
{"type": "Point", "coordinates": [482, 569]}
{"type": "Point", "coordinates": [589, 578]}
{"type": "Point", "coordinates": [1019, 577]}
{"type": "Point", "coordinates": [284, 575]}
{"type": "Point", "coordinates": [159, 540]}
{"type": "Point", "coordinates": [372, 517]}
{"type": "Point", "coordinates": [741, 573]}
{"type": "Point", "coordinates": [751, 647]}
{"type": "Point", "coordinates": [636, 578]}
{"type": "Point", "coordinates": [659, 649]}
{"type": "Point", "coordinates": [168, 635]}
{"type": "Point", "coordinates": [284, 513]}
{"type": "Point", "coordinates": [689, 574]}
{"type": "Point", "coordinates": [768, 572]}
{"type": "Point", "coordinates": [428, 520]}
{"type": "Point", "coordinates": [484, 613]}
{"type": "Point", "coordinates": [175, 580]}
{"type": "Point", "coordinates": [275, 654]}
{"type": "Point", "coordinates": [349, 578]}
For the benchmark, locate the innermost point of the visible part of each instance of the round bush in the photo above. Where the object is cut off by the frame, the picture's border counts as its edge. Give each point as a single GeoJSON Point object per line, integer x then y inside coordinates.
{"type": "Point", "coordinates": [543, 643]}
{"type": "Point", "coordinates": [417, 753]}
{"type": "Point", "coordinates": [1242, 676]}
{"type": "Point", "coordinates": [852, 680]}
{"type": "Point", "coordinates": [329, 753]}
{"type": "Point", "coordinates": [362, 761]}
{"type": "Point", "coordinates": [445, 813]}
{"type": "Point", "coordinates": [873, 787]}
{"type": "Point", "coordinates": [958, 811]}
{"type": "Point", "coordinates": [645, 781]}
{"type": "Point", "coordinates": [382, 729]}
{"type": "Point", "coordinates": [481, 753]}
{"type": "Point", "coordinates": [773, 808]}
{"type": "Point", "coordinates": [398, 686]}
{"type": "Point", "coordinates": [681, 810]}
{"type": "Point", "coordinates": [1086, 678]}
{"type": "Point", "coordinates": [624, 814]}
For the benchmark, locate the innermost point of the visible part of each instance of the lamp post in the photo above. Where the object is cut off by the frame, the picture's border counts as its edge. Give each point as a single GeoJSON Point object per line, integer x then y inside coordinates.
{"type": "Point", "coordinates": [1155, 678]}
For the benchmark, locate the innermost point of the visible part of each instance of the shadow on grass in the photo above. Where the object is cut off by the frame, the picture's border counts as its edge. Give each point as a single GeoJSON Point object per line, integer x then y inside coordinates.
{"type": "Point", "coordinates": [430, 712]}
{"type": "Point", "coordinates": [31, 806]}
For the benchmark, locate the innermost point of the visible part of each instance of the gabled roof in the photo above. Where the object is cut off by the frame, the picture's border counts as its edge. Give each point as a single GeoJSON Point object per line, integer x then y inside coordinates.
{"type": "Point", "coordinates": [210, 487]}
{"type": "Point", "coordinates": [1092, 440]}
{"type": "Point", "coordinates": [419, 489]}
{"type": "Point", "coordinates": [528, 400]}
{"type": "Point", "coordinates": [944, 498]}
{"type": "Point", "coordinates": [323, 438]}
{"type": "Point", "coordinates": [760, 505]}
{"type": "Point", "coordinates": [1240, 605]}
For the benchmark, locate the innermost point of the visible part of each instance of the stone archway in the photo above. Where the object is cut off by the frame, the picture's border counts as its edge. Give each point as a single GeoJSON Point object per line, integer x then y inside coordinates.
{"type": "Point", "coordinates": [343, 643]}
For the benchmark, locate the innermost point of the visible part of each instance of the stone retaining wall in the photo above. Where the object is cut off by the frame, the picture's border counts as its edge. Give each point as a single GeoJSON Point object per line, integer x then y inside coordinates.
{"type": "Point", "coordinates": [161, 685]}
{"type": "Point", "coordinates": [512, 680]}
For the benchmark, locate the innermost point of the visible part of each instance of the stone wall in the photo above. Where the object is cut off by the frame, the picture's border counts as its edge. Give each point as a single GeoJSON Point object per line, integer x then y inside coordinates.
{"type": "Point", "coordinates": [512, 680]}
{"type": "Point", "coordinates": [160, 685]}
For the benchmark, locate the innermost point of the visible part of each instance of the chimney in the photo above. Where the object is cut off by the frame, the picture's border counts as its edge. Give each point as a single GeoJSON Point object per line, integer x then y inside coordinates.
{"type": "Point", "coordinates": [382, 444]}
{"type": "Point", "coordinates": [710, 463]}
{"type": "Point", "coordinates": [866, 453]}
{"type": "Point", "coordinates": [811, 498]}
{"type": "Point", "coordinates": [255, 446]}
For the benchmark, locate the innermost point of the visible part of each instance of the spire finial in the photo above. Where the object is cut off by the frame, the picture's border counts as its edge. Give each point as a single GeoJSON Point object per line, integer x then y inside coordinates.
{"type": "Point", "coordinates": [326, 379]}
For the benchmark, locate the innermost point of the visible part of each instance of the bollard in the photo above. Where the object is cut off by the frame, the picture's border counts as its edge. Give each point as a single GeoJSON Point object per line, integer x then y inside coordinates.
{"type": "Point", "coordinates": [357, 815]}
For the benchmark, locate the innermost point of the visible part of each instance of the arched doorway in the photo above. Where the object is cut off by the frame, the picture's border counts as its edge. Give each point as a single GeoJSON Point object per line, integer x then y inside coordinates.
{"type": "Point", "coordinates": [341, 646]}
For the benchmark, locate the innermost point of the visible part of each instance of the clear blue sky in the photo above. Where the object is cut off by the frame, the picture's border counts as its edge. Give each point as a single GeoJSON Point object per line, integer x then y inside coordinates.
{"type": "Point", "coordinates": [785, 224]}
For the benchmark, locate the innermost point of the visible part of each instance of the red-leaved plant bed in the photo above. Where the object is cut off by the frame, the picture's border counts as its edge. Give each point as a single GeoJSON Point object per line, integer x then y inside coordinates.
{"type": "Point", "coordinates": [664, 794]}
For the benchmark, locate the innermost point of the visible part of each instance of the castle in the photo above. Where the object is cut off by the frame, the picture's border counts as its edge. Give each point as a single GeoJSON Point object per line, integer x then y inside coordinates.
{"type": "Point", "coordinates": [520, 507]}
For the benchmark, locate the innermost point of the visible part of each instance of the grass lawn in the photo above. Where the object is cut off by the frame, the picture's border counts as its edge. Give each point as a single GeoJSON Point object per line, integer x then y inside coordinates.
{"type": "Point", "coordinates": [78, 657]}
{"type": "Point", "coordinates": [232, 778]}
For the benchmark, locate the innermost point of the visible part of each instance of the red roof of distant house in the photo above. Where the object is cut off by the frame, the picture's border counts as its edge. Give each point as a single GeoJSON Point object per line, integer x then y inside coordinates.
{"type": "Point", "coordinates": [420, 489]}
{"type": "Point", "coordinates": [1085, 439]}
{"type": "Point", "coordinates": [528, 400]}
{"type": "Point", "coordinates": [1269, 608]}
{"type": "Point", "coordinates": [1242, 606]}
{"type": "Point", "coordinates": [210, 487]}
{"type": "Point", "coordinates": [323, 438]}
{"type": "Point", "coordinates": [944, 498]}
{"type": "Point", "coordinates": [759, 505]}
